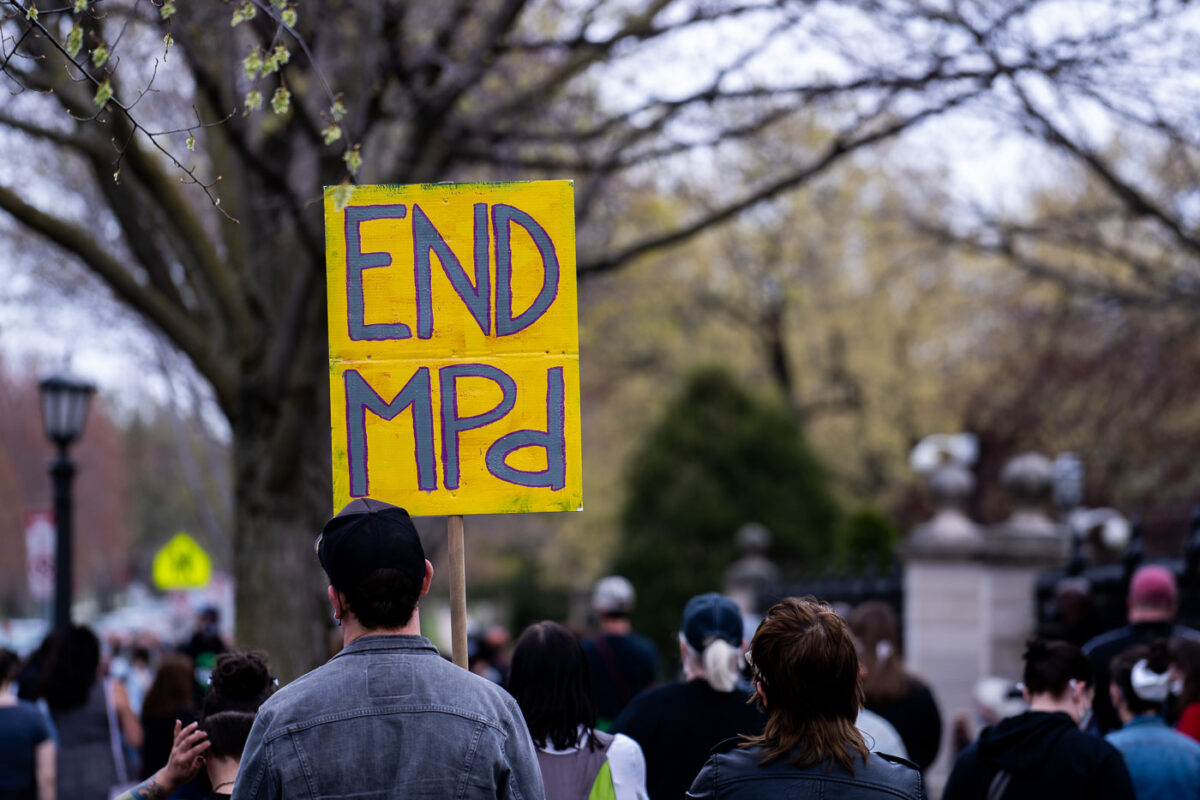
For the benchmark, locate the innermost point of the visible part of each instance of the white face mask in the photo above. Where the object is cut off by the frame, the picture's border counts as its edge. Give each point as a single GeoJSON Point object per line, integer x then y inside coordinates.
{"type": "Point", "coordinates": [1080, 696]}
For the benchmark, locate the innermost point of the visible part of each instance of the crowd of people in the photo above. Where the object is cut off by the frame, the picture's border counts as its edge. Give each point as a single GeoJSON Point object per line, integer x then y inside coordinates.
{"type": "Point", "coordinates": [812, 701]}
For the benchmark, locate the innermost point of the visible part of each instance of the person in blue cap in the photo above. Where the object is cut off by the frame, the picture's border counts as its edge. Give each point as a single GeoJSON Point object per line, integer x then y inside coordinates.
{"type": "Point", "coordinates": [678, 724]}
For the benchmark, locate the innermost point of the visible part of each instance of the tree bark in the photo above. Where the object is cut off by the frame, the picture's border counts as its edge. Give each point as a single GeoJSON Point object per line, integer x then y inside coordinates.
{"type": "Point", "coordinates": [280, 508]}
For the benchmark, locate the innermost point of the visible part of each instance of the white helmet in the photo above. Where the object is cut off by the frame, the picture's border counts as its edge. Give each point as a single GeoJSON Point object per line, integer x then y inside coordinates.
{"type": "Point", "coordinates": [613, 595]}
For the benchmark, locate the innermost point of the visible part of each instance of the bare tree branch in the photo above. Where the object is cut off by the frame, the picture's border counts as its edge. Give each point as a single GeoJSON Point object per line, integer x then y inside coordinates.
{"type": "Point", "coordinates": [171, 319]}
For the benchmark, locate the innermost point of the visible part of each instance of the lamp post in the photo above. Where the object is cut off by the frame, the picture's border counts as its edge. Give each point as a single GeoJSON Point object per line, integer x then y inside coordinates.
{"type": "Point", "coordinates": [65, 401]}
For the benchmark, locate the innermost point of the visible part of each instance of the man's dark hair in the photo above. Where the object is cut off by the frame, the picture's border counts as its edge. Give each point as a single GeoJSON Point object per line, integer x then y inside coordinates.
{"type": "Point", "coordinates": [384, 599]}
{"type": "Point", "coordinates": [9, 661]}
{"type": "Point", "coordinates": [549, 679]}
{"type": "Point", "coordinates": [804, 657]}
{"type": "Point", "coordinates": [71, 669]}
{"type": "Point", "coordinates": [241, 682]}
{"type": "Point", "coordinates": [1051, 666]}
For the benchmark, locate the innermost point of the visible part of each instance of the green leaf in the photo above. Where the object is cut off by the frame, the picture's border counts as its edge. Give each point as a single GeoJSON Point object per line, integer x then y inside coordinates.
{"type": "Point", "coordinates": [80, 6]}
{"type": "Point", "coordinates": [341, 195]}
{"type": "Point", "coordinates": [191, 142]}
{"type": "Point", "coordinates": [104, 93]}
{"type": "Point", "coordinates": [100, 55]}
{"type": "Point", "coordinates": [331, 133]}
{"type": "Point", "coordinates": [353, 159]}
{"type": "Point", "coordinates": [75, 40]}
{"type": "Point", "coordinates": [253, 64]}
{"type": "Point", "coordinates": [279, 3]}
{"type": "Point", "coordinates": [244, 12]}
{"type": "Point", "coordinates": [337, 110]}
{"type": "Point", "coordinates": [276, 58]}
{"type": "Point", "coordinates": [289, 17]}
{"type": "Point", "coordinates": [281, 100]}
{"type": "Point", "coordinates": [168, 9]}
{"type": "Point", "coordinates": [117, 176]}
{"type": "Point", "coordinates": [253, 101]}
{"type": "Point", "coordinates": [169, 39]}
{"type": "Point", "coordinates": [31, 14]}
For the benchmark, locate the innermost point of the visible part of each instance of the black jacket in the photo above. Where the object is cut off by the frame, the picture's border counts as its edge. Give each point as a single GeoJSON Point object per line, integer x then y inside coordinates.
{"type": "Point", "coordinates": [1045, 756]}
{"type": "Point", "coordinates": [734, 773]}
{"type": "Point", "coordinates": [678, 725]}
{"type": "Point", "coordinates": [917, 719]}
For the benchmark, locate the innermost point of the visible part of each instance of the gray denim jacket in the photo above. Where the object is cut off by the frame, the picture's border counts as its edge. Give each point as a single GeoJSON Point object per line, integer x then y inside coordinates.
{"type": "Point", "coordinates": [386, 718]}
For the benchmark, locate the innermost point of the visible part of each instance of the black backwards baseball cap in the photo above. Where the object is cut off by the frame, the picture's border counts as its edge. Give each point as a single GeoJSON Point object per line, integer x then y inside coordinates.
{"type": "Point", "coordinates": [709, 616]}
{"type": "Point", "coordinates": [368, 535]}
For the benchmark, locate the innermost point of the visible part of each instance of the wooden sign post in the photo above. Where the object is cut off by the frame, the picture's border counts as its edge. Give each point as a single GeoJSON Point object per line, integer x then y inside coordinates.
{"type": "Point", "coordinates": [454, 353]}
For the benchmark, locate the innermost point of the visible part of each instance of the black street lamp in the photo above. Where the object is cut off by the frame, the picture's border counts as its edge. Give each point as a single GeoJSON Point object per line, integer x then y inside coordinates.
{"type": "Point", "coordinates": [65, 401]}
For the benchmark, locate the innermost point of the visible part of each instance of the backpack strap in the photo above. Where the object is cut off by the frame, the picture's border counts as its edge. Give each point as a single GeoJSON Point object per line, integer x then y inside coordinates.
{"type": "Point", "coordinates": [114, 733]}
{"type": "Point", "coordinates": [999, 785]}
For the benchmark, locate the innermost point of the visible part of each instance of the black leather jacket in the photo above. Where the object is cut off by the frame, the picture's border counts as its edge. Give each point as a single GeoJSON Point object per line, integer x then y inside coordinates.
{"type": "Point", "coordinates": [734, 773]}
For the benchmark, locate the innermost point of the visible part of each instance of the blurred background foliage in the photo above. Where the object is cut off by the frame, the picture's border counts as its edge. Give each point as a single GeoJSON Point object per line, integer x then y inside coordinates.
{"type": "Point", "coordinates": [717, 458]}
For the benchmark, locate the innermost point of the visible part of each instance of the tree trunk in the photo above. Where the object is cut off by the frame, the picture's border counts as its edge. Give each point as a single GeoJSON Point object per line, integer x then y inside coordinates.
{"type": "Point", "coordinates": [282, 477]}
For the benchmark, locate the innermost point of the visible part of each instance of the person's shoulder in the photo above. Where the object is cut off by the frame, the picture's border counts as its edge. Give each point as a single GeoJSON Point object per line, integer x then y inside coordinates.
{"type": "Point", "coordinates": [1161, 737]}
{"type": "Point", "coordinates": [459, 689]}
{"type": "Point", "coordinates": [900, 772]}
{"type": "Point", "coordinates": [643, 643]}
{"type": "Point", "coordinates": [892, 776]}
{"type": "Point", "coordinates": [735, 753]}
{"type": "Point", "coordinates": [654, 696]}
{"type": "Point", "coordinates": [1089, 745]}
{"type": "Point", "coordinates": [1114, 639]}
{"type": "Point", "coordinates": [919, 688]}
{"type": "Point", "coordinates": [623, 746]}
{"type": "Point", "coordinates": [446, 684]}
{"type": "Point", "coordinates": [23, 712]}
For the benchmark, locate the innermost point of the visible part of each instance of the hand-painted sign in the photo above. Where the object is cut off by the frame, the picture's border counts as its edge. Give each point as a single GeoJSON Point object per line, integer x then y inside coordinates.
{"type": "Point", "coordinates": [454, 347]}
{"type": "Point", "coordinates": [181, 564]}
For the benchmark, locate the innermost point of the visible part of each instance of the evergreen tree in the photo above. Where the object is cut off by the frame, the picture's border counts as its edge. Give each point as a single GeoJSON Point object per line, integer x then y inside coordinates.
{"type": "Point", "coordinates": [718, 458]}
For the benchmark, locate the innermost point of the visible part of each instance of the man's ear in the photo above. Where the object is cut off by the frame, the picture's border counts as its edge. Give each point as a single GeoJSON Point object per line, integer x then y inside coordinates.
{"type": "Point", "coordinates": [428, 578]}
{"type": "Point", "coordinates": [1114, 693]}
{"type": "Point", "coordinates": [337, 601]}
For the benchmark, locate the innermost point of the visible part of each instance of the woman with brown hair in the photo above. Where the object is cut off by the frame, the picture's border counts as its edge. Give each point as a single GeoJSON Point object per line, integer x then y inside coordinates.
{"type": "Point", "coordinates": [891, 690]}
{"type": "Point", "coordinates": [171, 698]}
{"type": "Point", "coordinates": [805, 672]}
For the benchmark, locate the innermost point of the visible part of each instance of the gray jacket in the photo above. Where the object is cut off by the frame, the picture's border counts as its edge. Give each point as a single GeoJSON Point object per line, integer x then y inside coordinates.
{"type": "Point", "coordinates": [386, 718]}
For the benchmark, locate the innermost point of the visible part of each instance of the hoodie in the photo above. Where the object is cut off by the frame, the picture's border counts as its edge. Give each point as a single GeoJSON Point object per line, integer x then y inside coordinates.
{"type": "Point", "coordinates": [1045, 756]}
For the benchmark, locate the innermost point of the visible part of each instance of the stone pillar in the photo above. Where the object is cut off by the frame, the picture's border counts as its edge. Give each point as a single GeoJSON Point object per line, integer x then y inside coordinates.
{"type": "Point", "coordinates": [752, 573]}
{"type": "Point", "coordinates": [1015, 552]}
{"type": "Point", "coordinates": [969, 594]}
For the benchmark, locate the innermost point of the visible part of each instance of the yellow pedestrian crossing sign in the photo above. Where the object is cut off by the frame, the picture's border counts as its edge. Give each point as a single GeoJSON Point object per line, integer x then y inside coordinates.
{"type": "Point", "coordinates": [181, 564]}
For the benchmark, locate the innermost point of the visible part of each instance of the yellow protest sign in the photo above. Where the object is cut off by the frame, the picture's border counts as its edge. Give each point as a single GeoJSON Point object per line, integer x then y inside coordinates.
{"type": "Point", "coordinates": [454, 347]}
{"type": "Point", "coordinates": [181, 563]}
